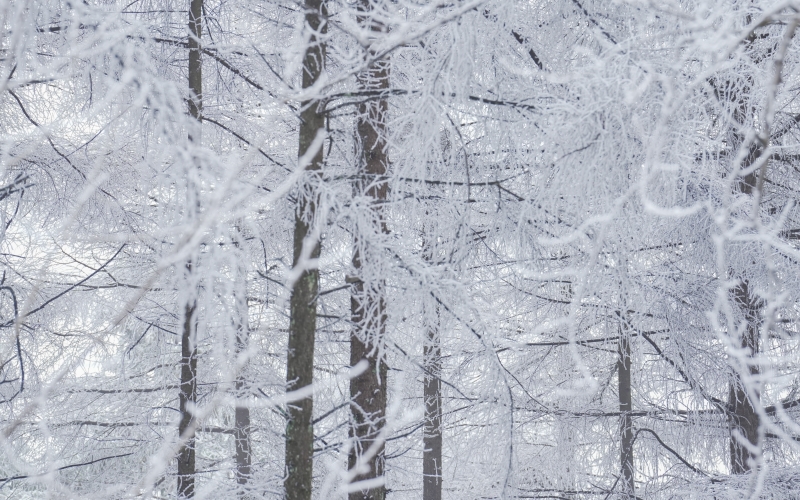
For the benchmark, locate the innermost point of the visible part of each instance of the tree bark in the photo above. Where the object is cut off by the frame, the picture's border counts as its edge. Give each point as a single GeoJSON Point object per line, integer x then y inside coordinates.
{"type": "Point", "coordinates": [243, 455]}
{"type": "Point", "coordinates": [368, 390]}
{"type": "Point", "coordinates": [188, 388]}
{"type": "Point", "coordinates": [303, 303]}
{"type": "Point", "coordinates": [242, 435]}
{"type": "Point", "coordinates": [743, 418]}
{"type": "Point", "coordinates": [368, 393]}
{"type": "Point", "coordinates": [432, 437]}
{"type": "Point", "coordinates": [195, 61]}
{"type": "Point", "coordinates": [187, 399]}
{"type": "Point", "coordinates": [625, 419]}
{"type": "Point", "coordinates": [432, 366]}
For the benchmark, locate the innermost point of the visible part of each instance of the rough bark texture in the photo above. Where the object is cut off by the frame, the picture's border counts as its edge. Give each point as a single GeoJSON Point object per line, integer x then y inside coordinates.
{"type": "Point", "coordinates": [367, 301]}
{"type": "Point", "coordinates": [188, 388]}
{"type": "Point", "coordinates": [743, 418]}
{"type": "Point", "coordinates": [187, 400]}
{"type": "Point", "coordinates": [368, 390]}
{"type": "Point", "coordinates": [195, 61]}
{"type": "Point", "coordinates": [242, 435]}
{"type": "Point", "coordinates": [299, 374]}
{"type": "Point", "coordinates": [303, 303]}
{"type": "Point", "coordinates": [432, 383]}
{"type": "Point", "coordinates": [432, 437]}
{"type": "Point", "coordinates": [625, 420]}
{"type": "Point", "coordinates": [242, 410]}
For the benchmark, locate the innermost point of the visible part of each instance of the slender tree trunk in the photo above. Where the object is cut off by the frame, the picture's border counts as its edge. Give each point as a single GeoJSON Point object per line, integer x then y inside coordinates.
{"type": "Point", "coordinates": [187, 400]}
{"type": "Point", "coordinates": [303, 303]}
{"type": "Point", "coordinates": [367, 301]}
{"type": "Point", "coordinates": [242, 410]}
{"type": "Point", "coordinates": [188, 387]}
{"type": "Point", "coordinates": [368, 391]}
{"type": "Point", "coordinates": [625, 408]}
{"type": "Point", "coordinates": [432, 366]}
{"type": "Point", "coordinates": [432, 437]}
{"type": "Point", "coordinates": [743, 418]}
{"type": "Point", "coordinates": [242, 429]}
{"type": "Point", "coordinates": [195, 62]}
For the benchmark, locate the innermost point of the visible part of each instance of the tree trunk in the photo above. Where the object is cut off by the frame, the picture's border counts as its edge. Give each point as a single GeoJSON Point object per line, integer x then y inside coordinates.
{"type": "Point", "coordinates": [188, 387]}
{"type": "Point", "coordinates": [195, 61]}
{"type": "Point", "coordinates": [625, 420]}
{"type": "Point", "coordinates": [368, 390]}
{"type": "Point", "coordinates": [432, 437]}
{"type": "Point", "coordinates": [432, 383]}
{"type": "Point", "coordinates": [743, 417]}
{"type": "Point", "coordinates": [303, 303]}
{"type": "Point", "coordinates": [242, 410]}
{"type": "Point", "coordinates": [243, 450]}
{"type": "Point", "coordinates": [367, 301]}
{"type": "Point", "coordinates": [187, 400]}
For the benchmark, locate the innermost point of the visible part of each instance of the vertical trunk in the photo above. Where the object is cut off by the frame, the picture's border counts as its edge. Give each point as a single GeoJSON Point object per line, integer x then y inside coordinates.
{"type": "Point", "coordinates": [195, 61]}
{"type": "Point", "coordinates": [625, 420]}
{"type": "Point", "coordinates": [242, 429]}
{"type": "Point", "coordinates": [367, 302]}
{"type": "Point", "coordinates": [368, 390]}
{"type": "Point", "coordinates": [188, 388]}
{"type": "Point", "coordinates": [432, 383]}
{"type": "Point", "coordinates": [303, 303]}
{"type": "Point", "coordinates": [187, 400]}
{"type": "Point", "coordinates": [242, 410]}
{"type": "Point", "coordinates": [743, 417]}
{"type": "Point", "coordinates": [432, 437]}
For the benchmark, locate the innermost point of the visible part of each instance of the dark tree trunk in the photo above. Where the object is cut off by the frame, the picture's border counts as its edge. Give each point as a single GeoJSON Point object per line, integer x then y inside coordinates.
{"type": "Point", "coordinates": [367, 302]}
{"type": "Point", "coordinates": [187, 400]}
{"type": "Point", "coordinates": [242, 410]}
{"type": "Point", "coordinates": [303, 303]}
{"type": "Point", "coordinates": [188, 388]}
{"type": "Point", "coordinates": [625, 420]}
{"type": "Point", "coordinates": [242, 435]}
{"type": "Point", "coordinates": [432, 437]}
{"type": "Point", "coordinates": [743, 417]}
{"type": "Point", "coordinates": [195, 60]}
{"type": "Point", "coordinates": [432, 383]}
{"type": "Point", "coordinates": [368, 390]}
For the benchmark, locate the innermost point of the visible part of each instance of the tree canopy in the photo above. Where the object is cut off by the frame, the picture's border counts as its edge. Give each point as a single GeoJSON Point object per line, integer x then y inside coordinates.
{"type": "Point", "coordinates": [379, 249]}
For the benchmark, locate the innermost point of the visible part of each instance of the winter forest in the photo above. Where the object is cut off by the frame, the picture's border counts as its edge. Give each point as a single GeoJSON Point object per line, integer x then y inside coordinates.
{"type": "Point", "coordinates": [399, 249]}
